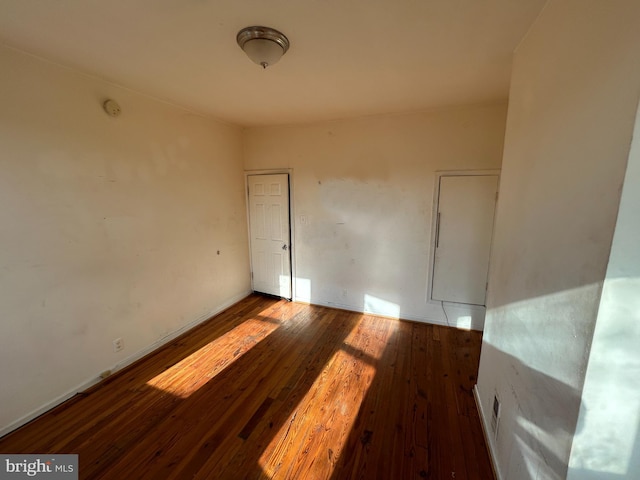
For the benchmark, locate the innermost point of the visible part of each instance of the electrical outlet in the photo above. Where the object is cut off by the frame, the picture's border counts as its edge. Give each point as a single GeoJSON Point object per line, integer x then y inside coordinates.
{"type": "Point", "coordinates": [118, 344]}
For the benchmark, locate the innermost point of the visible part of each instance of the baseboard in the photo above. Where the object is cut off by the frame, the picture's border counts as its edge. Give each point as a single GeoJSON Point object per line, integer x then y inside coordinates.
{"type": "Point", "coordinates": [122, 364]}
{"type": "Point", "coordinates": [487, 438]}
{"type": "Point", "coordinates": [403, 315]}
{"type": "Point", "coordinates": [44, 408]}
{"type": "Point", "coordinates": [351, 308]}
{"type": "Point", "coordinates": [176, 333]}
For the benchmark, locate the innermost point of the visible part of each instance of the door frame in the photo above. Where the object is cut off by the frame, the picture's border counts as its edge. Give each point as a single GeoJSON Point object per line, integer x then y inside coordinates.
{"type": "Point", "coordinates": [434, 220]}
{"type": "Point", "coordinates": [275, 171]}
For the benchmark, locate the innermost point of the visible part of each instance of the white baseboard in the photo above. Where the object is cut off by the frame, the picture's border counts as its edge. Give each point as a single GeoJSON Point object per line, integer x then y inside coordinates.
{"type": "Point", "coordinates": [403, 316]}
{"type": "Point", "coordinates": [45, 408]}
{"type": "Point", "coordinates": [175, 334]}
{"type": "Point", "coordinates": [487, 437]}
{"type": "Point", "coordinates": [351, 308]}
{"type": "Point", "coordinates": [122, 364]}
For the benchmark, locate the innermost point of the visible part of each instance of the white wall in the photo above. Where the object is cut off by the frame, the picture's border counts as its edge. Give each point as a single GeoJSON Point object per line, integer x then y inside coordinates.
{"type": "Point", "coordinates": [109, 227]}
{"type": "Point", "coordinates": [365, 188]}
{"type": "Point", "coordinates": [607, 442]}
{"type": "Point", "coordinates": [574, 90]}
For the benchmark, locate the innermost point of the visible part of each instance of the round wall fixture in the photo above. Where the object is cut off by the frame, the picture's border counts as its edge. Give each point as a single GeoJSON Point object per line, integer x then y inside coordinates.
{"type": "Point", "coordinates": [263, 45]}
{"type": "Point", "coordinates": [111, 107]}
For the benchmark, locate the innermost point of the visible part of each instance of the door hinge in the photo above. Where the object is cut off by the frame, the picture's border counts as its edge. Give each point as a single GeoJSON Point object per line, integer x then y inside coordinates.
{"type": "Point", "coordinates": [251, 275]}
{"type": "Point", "coordinates": [497, 193]}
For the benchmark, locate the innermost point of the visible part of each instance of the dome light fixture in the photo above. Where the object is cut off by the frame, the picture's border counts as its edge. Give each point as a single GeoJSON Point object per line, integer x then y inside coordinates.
{"type": "Point", "coordinates": [263, 45]}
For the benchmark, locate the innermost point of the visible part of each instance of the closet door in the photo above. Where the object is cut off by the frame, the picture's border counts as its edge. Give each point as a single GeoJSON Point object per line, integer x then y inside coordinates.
{"type": "Point", "coordinates": [464, 229]}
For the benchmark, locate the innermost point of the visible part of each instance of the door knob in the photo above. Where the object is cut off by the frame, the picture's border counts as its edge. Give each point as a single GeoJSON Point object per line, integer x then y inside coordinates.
{"type": "Point", "coordinates": [284, 247]}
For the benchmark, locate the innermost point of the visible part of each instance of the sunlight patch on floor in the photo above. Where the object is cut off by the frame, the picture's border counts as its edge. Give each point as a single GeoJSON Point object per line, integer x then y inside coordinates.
{"type": "Point", "coordinates": [193, 372]}
{"type": "Point", "coordinates": [330, 407]}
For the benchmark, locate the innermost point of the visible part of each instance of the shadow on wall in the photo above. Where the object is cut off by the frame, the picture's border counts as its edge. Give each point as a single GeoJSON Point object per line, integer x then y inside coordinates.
{"type": "Point", "coordinates": [555, 418]}
{"type": "Point", "coordinates": [529, 436]}
{"type": "Point", "coordinates": [608, 446]}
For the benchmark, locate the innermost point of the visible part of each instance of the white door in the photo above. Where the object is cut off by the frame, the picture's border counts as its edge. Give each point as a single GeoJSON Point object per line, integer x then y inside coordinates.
{"type": "Point", "coordinates": [464, 228]}
{"type": "Point", "coordinates": [270, 236]}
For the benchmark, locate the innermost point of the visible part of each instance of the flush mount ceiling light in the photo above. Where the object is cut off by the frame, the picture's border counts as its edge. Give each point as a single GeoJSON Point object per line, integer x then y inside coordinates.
{"type": "Point", "coordinates": [263, 45]}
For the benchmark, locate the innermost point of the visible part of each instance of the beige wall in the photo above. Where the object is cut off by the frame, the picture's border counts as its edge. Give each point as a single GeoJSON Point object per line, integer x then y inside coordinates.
{"type": "Point", "coordinates": [574, 93]}
{"type": "Point", "coordinates": [365, 188]}
{"type": "Point", "coordinates": [109, 228]}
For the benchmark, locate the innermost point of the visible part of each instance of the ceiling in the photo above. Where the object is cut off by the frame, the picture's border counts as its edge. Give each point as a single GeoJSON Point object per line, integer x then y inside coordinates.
{"type": "Point", "coordinates": [347, 58]}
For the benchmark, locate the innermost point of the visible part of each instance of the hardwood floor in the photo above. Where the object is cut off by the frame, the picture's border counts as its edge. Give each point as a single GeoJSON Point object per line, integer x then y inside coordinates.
{"type": "Point", "coordinates": [272, 389]}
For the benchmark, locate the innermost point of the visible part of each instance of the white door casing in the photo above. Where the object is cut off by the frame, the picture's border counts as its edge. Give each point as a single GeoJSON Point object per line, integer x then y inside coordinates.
{"type": "Point", "coordinates": [464, 230]}
{"type": "Point", "coordinates": [270, 234]}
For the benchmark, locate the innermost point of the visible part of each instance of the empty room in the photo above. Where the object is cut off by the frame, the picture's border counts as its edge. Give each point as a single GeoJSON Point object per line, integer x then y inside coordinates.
{"type": "Point", "coordinates": [320, 239]}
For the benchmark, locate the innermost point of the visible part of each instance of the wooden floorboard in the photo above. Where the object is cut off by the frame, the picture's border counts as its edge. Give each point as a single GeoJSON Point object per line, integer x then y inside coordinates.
{"type": "Point", "coordinates": [270, 389]}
